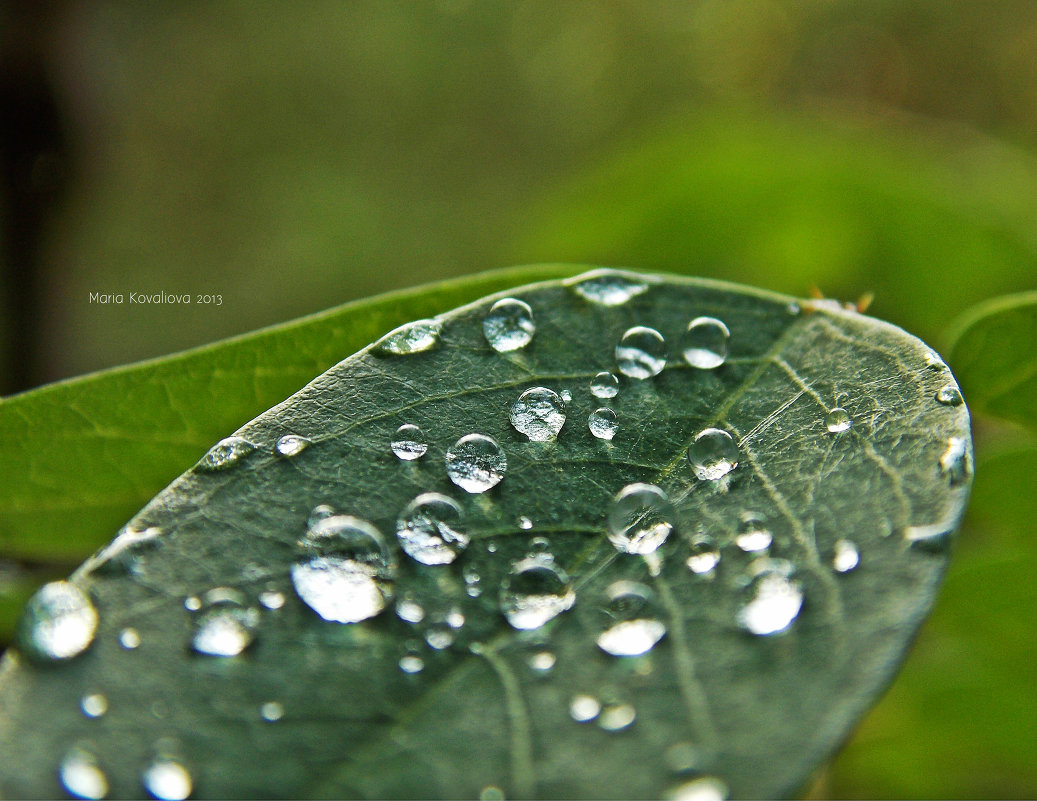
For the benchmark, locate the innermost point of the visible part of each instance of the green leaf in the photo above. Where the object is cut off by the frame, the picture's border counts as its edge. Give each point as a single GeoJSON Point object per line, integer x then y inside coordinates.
{"type": "Point", "coordinates": [83, 455]}
{"type": "Point", "coordinates": [994, 351]}
{"type": "Point", "coordinates": [748, 675]}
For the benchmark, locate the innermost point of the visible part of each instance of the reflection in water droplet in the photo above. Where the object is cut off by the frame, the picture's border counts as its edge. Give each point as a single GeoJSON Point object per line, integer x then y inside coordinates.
{"type": "Point", "coordinates": [476, 463]}
{"type": "Point", "coordinates": [584, 708]}
{"type": "Point", "coordinates": [949, 396]}
{"type": "Point", "coordinates": [702, 788]}
{"type": "Point", "coordinates": [538, 413]}
{"type": "Point", "coordinates": [954, 462]}
{"type": "Point", "coordinates": [129, 639]}
{"type": "Point", "coordinates": [415, 337]}
{"type": "Point", "coordinates": [641, 353]}
{"type": "Point", "coordinates": [845, 557]}
{"type": "Point", "coordinates": [509, 325]}
{"type": "Point", "coordinates": [609, 287]}
{"type": "Point", "coordinates": [632, 625]}
{"type": "Point", "coordinates": [604, 385]}
{"type": "Point", "coordinates": [411, 664]}
{"type": "Point", "coordinates": [535, 591]}
{"type": "Point", "coordinates": [58, 622]}
{"type": "Point", "coordinates": [838, 420]}
{"type": "Point", "coordinates": [713, 454]}
{"type": "Point", "coordinates": [617, 717]}
{"type": "Point", "coordinates": [94, 705]}
{"type": "Point", "coordinates": [344, 572]}
{"type": "Point", "coordinates": [704, 343]}
{"type": "Point", "coordinates": [272, 599]}
{"type": "Point", "coordinates": [408, 443]}
{"type": "Point", "coordinates": [602, 423]}
{"type": "Point", "coordinates": [226, 625]}
{"type": "Point", "coordinates": [541, 661]}
{"type": "Point", "coordinates": [640, 519]}
{"type": "Point", "coordinates": [167, 779]}
{"type": "Point", "coordinates": [225, 454]}
{"type": "Point", "coordinates": [429, 529]}
{"type": "Point", "coordinates": [775, 603]}
{"type": "Point", "coordinates": [291, 445]}
{"type": "Point", "coordinates": [81, 776]}
{"type": "Point", "coordinates": [271, 711]}
{"type": "Point", "coordinates": [753, 534]}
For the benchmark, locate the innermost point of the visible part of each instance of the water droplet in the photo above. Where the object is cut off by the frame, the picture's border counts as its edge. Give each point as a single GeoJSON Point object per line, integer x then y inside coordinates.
{"type": "Point", "coordinates": [541, 661]}
{"type": "Point", "coordinates": [408, 443]}
{"type": "Point", "coordinates": [81, 776]}
{"type": "Point", "coordinates": [471, 579]}
{"type": "Point", "coordinates": [291, 445]}
{"type": "Point", "coordinates": [845, 557]}
{"type": "Point", "coordinates": [429, 529]}
{"type": "Point", "coordinates": [584, 708]}
{"type": "Point", "coordinates": [454, 618]}
{"type": "Point", "coordinates": [604, 385]}
{"type": "Point", "coordinates": [538, 413]}
{"type": "Point", "coordinates": [641, 353]}
{"type": "Point", "coordinates": [509, 325]}
{"type": "Point", "coordinates": [129, 639]}
{"type": "Point", "coordinates": [701, 788]}
{"type": "Point", "coordinates": [704, 343]}
{"type": "Point", "coordinates": [318, 513]}
{"type": "Point", "coordinates": [415, 337]}
{"type": "Point", "coordinates": [226, 624]}
{"type": "Point", "coordinates": [534, 592]}
{"type": "Point", "coordinates": [411, 664]}
{"type": "Point", "coordinates": [344, 572]}
{"type": "Point", "coordinates": [640, 519]}
{"type": "Point", "coordinates": [753, 534]}
{"type": "Point", "coordinates": [793, 308]}
{"type": "Point", "coordinates": [525, 523]}
{"type": "Point", "coordinates": [439, 636]}
{"type": "Point", "coordinates": [602, 423]}
{"type": "Point", "coordinates": [949, 396]}
{"type": "Point", "coordinates": [954, 462]}
{"type": "Point", "coordinates": [94, 705]}
{"type": "Point", "coordinates": [934, 362]}
{"type": "Point", "coordinates": [617, 717]}
{"type": "Point", "coordinates": [838, 420]}
{"type": "Point", "coordinates": [192, 603]}
{"type": "Point", "coordinates": [491, 793]}
{"type": "Point", "coordinates": [58, 622]}
{"type": "Point", "coordinates": [124, 552]}
{"type": "Point", "coordinates": [566, 395]}
{"type": "Point", "coordinates": [167, 779]}
{"type": "Point", "coordinates": [225, 454]}
{"type": "Point", "coordinates": [476, 463]}
{"type": "Point", "coordinates": [713, 454]}
{"type": "Point", "coordinates": [539, 545]}
{"type": "Point", "coordinates": [409, 611]}
{"type": "Point", "coordinates": [682, 757]}
{"type": "Point", "coordinates": [632, 625]}
{"type": "Point", "coordinates": [271, 599]}
{"type": "Point", "coordinates": [775, 603]}
{"type": "Point", "coordinates": [271, 711]}
{"type": "Point", "coordinates": [704, 555]}
{"type": "Point", "coordinates": [609, 287]}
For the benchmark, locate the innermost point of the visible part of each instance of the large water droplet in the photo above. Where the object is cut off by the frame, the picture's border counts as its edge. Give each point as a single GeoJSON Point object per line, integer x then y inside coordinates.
{"type": "Point", "coordinates": [534, 591]}
{"type": "Point", "coordinates": [845, 556]}
{"type": "Point", "coordinates": [701, 788]}
{"type": "Point", "coordinates": [713, 454]}
{"type": "Point", "coordinates": [58, 622]}
{"type": "Point", "coordinates": [226, 624]}
{"type": "Point", "coordinates": [641, 353]}
{"type": "Point", "coordinates": [584, 708]}
{"type": "Point", "coordinates": [776, 601]}
{"type": "Point", "coordinates": [753, 534]}
{"type": "Point", "coordinates": [954, 461]}
{"type": "Point", "coordinates": [617, 717]}
{"type": "Point", "coordinates": [429, 529]}
{"type": "Point", "coordinates": [476, 463]}
{"type": "Point", "coordinates": [632, 624]}
{"type": "Point", "coordinates": [225, 454]}
{"type": "Point", "coordinates": [94, 705]}
{"type": "Point", "coordinates": [538, 413]}
{"type": "Point", "coordinates": [408, 443]}
{"type": "Point", "coordinates": [602, 423]}
{"type": "Point", "coordinates": [949, 396]}
{"type": "Point", "coordinates": [640, 519]}
{"type": "Point", "coordinates": [609, 287]}
{"type": "Point", "coordinates": [604, 385]}
{"type": "Point", "coordinates": [838, 420]}
{"type": "Point", "coordinates": [167, 779]}
{"type": "Point", "coordinates": [291, 445]}
{"type": "Point", "coordinates": [509, 325]}
{"type": "Point", "coordinates": [81, 775]}
{"type": "Point", "coordinates": [415, 337]}
{"type": "Point", "coordinates": [344, 573]}
{"type": "Point", "coordinates": [704, 343]}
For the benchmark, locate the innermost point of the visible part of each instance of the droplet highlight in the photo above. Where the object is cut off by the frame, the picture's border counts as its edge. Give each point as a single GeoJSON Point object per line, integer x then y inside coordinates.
{"type": "Point", "coordinates": [949, 396]}
{"type": "Point", "coordinates": [94, 705]}
{"type": "Point", "coordinates": [535, 591]}
{"type": "Point", "coordinates": [291, 445]}
{"type": "Point", "coordinates": [429, 529]}
{"type": "Point", "coordinates": [640, 519]}
{"type": "Point", "coordinates": [704, 343]}
{"type": "Point", "coordinates": [584, 708]}
{"type": "Point", "coordinates": [476, 463]}
{"type": "Point", "coordinates": [954, 462]}
{"type": "Point", "coordinates": [539, 413]}
{"type": "Point", "coordinates": [81, 775]}
{"type": "Point", "coordinates": [58, 622]}
{"type": "Point", "coordinates": [415, 337]}
{"type": "Point", "coordinates": [129, 639]}
{"type": "Point", "coordinates": [617, 717]}
{"type": "Point", "coordinates": [641, 353]}
{"type": "Point", "coordinates": [713, 454]}
{"type": "Point", "coordinates": [408, 443]}
{"type": "Point", "coordinates": [166, 779]}
{"type": "Point", "coordinates": [845, 556]}
{"type": "Point", "coordinates": [509, 325]}
{"type": "Point", "coordinates": [701, 788]}
{"type": "Point", "coordinates": [753, 534]}
{"type": "Point", "coordinates": [271, 711]}
{"type": "Point", "coordinates": [775, 603]}
{"type": "Point", "coordinates": [603, 423]}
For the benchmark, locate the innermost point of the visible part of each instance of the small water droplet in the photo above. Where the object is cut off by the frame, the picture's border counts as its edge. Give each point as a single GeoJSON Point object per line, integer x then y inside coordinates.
{"type": "Point", "coordinates": [225, 454]}
{"type": "Point", "coordinates": [226, 624]}
{"type": "Point", "coordinates": [632, 625]}
{"type": "Point", "coordinates": [567, 396]}
{"type": "Point", "coordinates": [704, 555]}
{"type": "Point", "coordinates": [318, 513]}
{"type": "Point", "coordinates": [439, 636]}
{"type": "Point", "coordinates": [838, 420]}
{"type": "Point", "coordinates": [793, 308]}
{"type": "Point", "coordinates": [617, 717]}
{"type": "Point", "coordinates": [429, 529]}
{"type": "Point", "coordinates": [538, 413]}
{"type": "Point", "coordinates": [949, 396]}
{"type": "Point", "coordinates": [58, 622]}
{"type": "Point", "coordinates": [344, 572]}
{"type": "Point", "coordinates": [415, 337]}
{"type": "Point", "coordinates": [539, 545]}
{"type": "Point", "coordinates": [476, 463]}
{"type": "Point", "coordinates": [192, 603]}
{"type": "Point", "coordinates": [704, 343]}
{"type": "Point", "coordinates": [94, 705]}
{"type": "Point", "coordinates": [408, 443]}
{"type": "Point", "coordinates": [167, 779]}
{"type": "Point", "coordinates": [541, 661]}
{"type": "Point", "coordinates": [954, 462]}
{"type": "Point", "coordinates": [408, 610]}
{"type": "Point", "coordinates": [753, 534]}
{"type": "Point", "coordinates": [525, 523]}
{"type": "Point", "coordinates": [641, 353]}
{"type": "Point", "coordinates": [713, 454]}
{"type": "Point", "coordinates": [509, 325]}
{"type": "Point", "coordinates": [776, 601]}
{"type": "Point", "coordinates": [701, 788]}
{"type": "Point", "coordinates": [291, 445]}
{"type": "Point", "coordinates": [640, 519]}
{"type": "Point", "coordinates": [410, 663]}
{"type": "Point", "coordinates": [81, 775]}
{"type": "Point", "coordinates": [608, 287]}
{"type": "Point", "coordinates": [602, 423]}
{"type": "Point", "coordinates": [604, 385]}
{"type": "Point", "coordinates": [271, 599]}
{"type": "Point", "coordinates": [845, 557]}
{"type": "Point", "coordinates": [584, 708]}
{"type": "Point", "coordinates": [535, 591]}
{"type": "Point", "coordinates": [129, 639]}
{"type": "Point", "coordinates": [491, 793]}
{"type": "Point", "coordinates": [934, 362]}
{"type": "Point", "coordinates": [271, 711]}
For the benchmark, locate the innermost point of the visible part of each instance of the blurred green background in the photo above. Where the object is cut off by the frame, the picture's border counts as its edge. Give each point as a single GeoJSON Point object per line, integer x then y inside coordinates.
{"type": "Point", "coordinates": [290, 157]}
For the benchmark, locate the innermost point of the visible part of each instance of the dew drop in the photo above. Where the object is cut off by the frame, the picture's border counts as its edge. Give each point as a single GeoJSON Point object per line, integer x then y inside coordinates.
{"type": "Point", "coordinates": [271, 599]}
{"type": "Point", "coordinates": [408, 443]}
{"type": "Point", "coordinates": [617, 717]}
{"type": "Point", "coordinates": [291, 445]}
{"type": "Point", "coordinates": [632, 625]}
{"type": "Point", "coordinates": [793, 308]}
{"type": "Point", "coordinates": [837, 420]}
{"type": "Point", "coordinates": [415, 337]}
{"type": "Point", "coordinates": [535, 591]}
{"type": "Point", "coordinates": [226, 624]}
{"type": "Point", "coordinates": [439, 636]}
{"type": "Point", "coordinates": [954, 462]}
{"type": "Point", "coordinates": [81, 776]}
{"type": "Point", "coordinates": [225, 454]}
{"type": "Point", "coordinates": [411, 663]}
{"type": "Point", "coordinates": [192, 603]}
{"type": "Point", "coordinates": [344, 572]}
{"type": "Point", "coordinates": [271, 711]}
{"type": "Point", "coordinates": [509, 325]}
{"type": "Point", "coordinates": [845, 557]}
{"type": "Point", "coordinates": [949, 396]}
{"type": "Point", "coordinates": [641, 353]}
{"type": "Point", "coordinates": [58, 622]}
{"type": "Point", "coordinates": [318, 513]}
{"type": "Point", "coordinates": [539, 545]}
{"type": "Point", "coordinates": [713, 454]}
{"type": "Point", "coordinates": [701, 788]}
{"type": "Point", "coordinates": [609, 287]}
{"type": "Point", "coordinates": [566, 396]}
{"type": "Point", "coordinates": [129, 639]}
{"type": "Point", "coordinates": [602, 423]}
{"type": "Point", "coordinates": [704, 343]}
{"type": "Point", "coordinates": [584, 708]}
{"type": "Point", "coordinates": [541, 661]}
{"type": "Point", "coordinates": [704, 555]}
{"type": "Point", "coordinates": [753, 535]}
{"type": "Point", "coordinates": [525, 523]}
{"type": "Point", "coordinates": [934, 362]}
{"type": "Point", "coordinates": [538, 413]}
{"type": "Point", "coordinates": [604, 385]}
{"type": "Point", "coordinates": [640, 519]}
{"type": "Point", "coordinates": [409, 611]}
{"type": "Point", "coordinates": [94, 705]}
{"type": "Point", "coordinates": [476, 463]}
{"type": "Point", "coordinates": [165, 778]}
{"type": "Point", "coordinates": [775, 603]}
{"type": "Point", "coordinates": [429, 529]}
